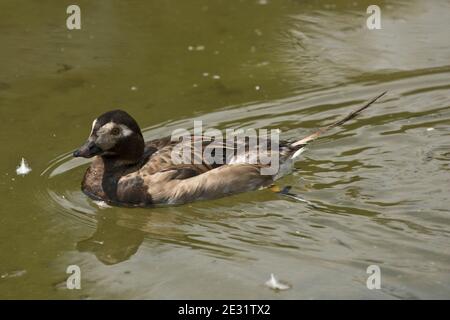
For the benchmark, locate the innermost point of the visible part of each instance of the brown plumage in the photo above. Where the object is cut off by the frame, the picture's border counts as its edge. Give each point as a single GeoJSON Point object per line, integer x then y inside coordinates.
{"type": "Point", "coordinates": [130, 172]}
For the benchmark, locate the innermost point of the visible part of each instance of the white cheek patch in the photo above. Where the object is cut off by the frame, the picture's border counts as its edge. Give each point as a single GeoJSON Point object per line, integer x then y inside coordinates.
{"type": "Point", "coordinates": [106, 127]}
{"type": "Point", "coordinates": [125, 130]}
{"type": "Point", "coordinates": [106, 140]}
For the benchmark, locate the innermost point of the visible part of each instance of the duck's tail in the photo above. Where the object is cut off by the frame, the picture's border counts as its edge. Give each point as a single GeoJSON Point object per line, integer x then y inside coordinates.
{"type": "Point", "coordinates": [321, 131]}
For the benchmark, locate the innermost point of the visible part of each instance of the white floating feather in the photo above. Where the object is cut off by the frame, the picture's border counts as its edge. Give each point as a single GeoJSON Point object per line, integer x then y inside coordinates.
{"type": "Point", "coordinates": [23, 168]}
{"type": "Point", "coordinates": [13, 274]}
{"type": "Point", "coordinates": [298, 153]}
{"type": "Point", "coordinates": [274, 284]}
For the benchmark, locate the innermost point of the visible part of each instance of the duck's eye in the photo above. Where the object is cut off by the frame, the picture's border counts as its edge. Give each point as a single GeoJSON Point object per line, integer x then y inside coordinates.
{"type": "Point", "coordinates": [115, 131]}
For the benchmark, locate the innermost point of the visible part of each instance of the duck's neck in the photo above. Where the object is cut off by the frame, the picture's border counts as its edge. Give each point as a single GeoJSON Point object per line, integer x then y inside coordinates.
{"type": "Point", "coordinates": [124, 159]}
{"type": "Point", "coordinates": [114, 169]}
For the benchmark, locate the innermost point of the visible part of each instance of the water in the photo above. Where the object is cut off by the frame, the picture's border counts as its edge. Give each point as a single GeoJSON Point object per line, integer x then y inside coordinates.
{"type": "Point", "coordinates": [377, 190]}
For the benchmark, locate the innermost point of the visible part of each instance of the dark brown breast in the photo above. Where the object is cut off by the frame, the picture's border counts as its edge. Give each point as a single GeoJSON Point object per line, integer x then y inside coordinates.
{"type": "Point", "coordinates": [92, 182]}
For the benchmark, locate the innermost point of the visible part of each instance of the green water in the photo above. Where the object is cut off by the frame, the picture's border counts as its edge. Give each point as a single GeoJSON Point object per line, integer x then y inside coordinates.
{"type": "Point", "coordinates": [378, 187]}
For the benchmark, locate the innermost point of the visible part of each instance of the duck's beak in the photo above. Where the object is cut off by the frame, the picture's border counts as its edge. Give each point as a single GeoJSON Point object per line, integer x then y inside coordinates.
{"type": "Point", "coordinates": [88, 150]}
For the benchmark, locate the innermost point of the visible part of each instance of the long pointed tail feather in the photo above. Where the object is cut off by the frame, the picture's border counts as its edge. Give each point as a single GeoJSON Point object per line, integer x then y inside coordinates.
{"type": "Point", "coordinates": [351, 115]}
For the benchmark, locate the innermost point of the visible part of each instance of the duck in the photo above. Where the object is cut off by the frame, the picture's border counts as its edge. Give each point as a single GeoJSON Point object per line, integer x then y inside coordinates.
{"type": "Point", "coordinates": [128, 171]}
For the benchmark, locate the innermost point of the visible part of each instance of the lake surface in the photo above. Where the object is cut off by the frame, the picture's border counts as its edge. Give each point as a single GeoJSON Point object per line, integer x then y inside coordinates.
{"type": "Point", "coordinates": [377, 189]}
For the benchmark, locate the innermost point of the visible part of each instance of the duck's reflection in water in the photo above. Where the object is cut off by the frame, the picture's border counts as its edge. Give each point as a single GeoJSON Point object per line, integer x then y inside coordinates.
{"type": "Point", "coordinates": [120, 233]}
{"type": "Point", "coordinates": [112, 243]}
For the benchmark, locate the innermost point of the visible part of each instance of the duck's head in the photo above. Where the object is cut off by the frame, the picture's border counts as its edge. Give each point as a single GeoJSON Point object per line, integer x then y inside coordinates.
{"type": "Point", "coordinates": [115, 135]}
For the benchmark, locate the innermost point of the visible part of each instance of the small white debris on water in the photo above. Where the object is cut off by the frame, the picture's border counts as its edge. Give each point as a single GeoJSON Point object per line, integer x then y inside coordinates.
{"type": "Point", "coordinates": [102, 204]}
{"type": "Point", "coordinates": [196, 48]}
{"type": "Point", "coordinates": [263, 2]}
{"type": "Point", "coordinates": [257, 88]}
{"type": "Point", "coordinates": [23, 169]}
{"type": "Point", "coordinates": [205, 74]}
{"type": "Point", "coordinates": [216, 77]}
{"type": "Point", "coordinates": [297, 153]}
{"type": "Point", "coordinates": [430, 129]}
{"type": "Point", "coordinates": [133, 88]}
{"type": "Point", "coordinates": [13, 274]}
{"type": "Point", "coordinates": [274, 284]}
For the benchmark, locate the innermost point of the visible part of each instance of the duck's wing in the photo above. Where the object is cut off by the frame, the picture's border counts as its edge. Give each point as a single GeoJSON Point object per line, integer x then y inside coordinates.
{"type": "Point", "coordinates": [186, 183]}
{"type": "Point", "coordinates": [158, 144]}
{"type": "Point", "coordinates": [164, 154]}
